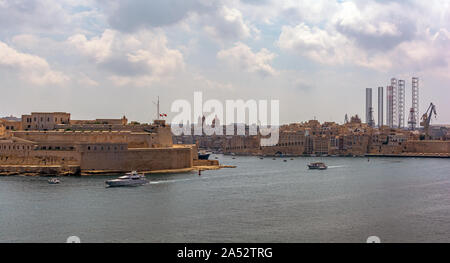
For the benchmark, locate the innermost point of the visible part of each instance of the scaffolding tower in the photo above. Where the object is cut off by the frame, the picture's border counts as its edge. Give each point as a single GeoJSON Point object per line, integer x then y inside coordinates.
{"type": "Point", "coordinates": [414, 111]}
{"type": "Point", "coordinates": [389, 109]}
{"type": "Point", "coordinates": [401, 104]}
{"type": "Point", "coordinates": [394, 102]}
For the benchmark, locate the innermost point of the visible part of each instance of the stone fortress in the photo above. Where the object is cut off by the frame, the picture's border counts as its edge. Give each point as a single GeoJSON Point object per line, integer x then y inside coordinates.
{"type": "Point", "coordinates": [52, 143]}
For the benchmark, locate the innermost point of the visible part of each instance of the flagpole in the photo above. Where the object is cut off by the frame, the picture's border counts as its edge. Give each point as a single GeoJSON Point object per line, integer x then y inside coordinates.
{"type": "Point", "coordinates": [157, 109]}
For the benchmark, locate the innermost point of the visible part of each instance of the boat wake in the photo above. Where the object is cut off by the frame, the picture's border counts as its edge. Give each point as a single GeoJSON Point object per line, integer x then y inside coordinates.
{"type": "Point", "coordinates": [172, 181]}
{"type": "Point", "coordinates": [335, 166]}
{"type": "Point", "coordinates": [192, 179]}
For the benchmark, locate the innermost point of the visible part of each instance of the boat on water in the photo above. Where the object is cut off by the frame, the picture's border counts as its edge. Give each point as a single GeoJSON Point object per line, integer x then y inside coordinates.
{"type": "Point", "coordinates": [129, 179]}
{"type": "Point", "coordinates": [317, 166]}
{"type": "Point", "coordinates": [203, 155]}
{"type": "Point", "coordinates": [54, 181]}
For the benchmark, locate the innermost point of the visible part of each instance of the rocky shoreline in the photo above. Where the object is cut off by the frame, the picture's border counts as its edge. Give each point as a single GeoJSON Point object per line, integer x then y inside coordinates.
{"type": "Point", "coordinates": [60, 171]}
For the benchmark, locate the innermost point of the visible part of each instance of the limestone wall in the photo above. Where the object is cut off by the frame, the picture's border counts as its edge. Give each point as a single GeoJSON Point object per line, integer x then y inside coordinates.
{"type": "Point", "coordinates": [206, 163]}
{"type": "Point", "coordinates": [138, 159]}
{"type": "Point", "coordinates": [134, 140]}
{"type": "Point", "coordinates": [427, 147]}
{"type": "Point", "coordinates": [39, 170]}
{"type": "Point", "coordinates": [164, 136]}
{"type": "Point", "coordinates": [32, 157]}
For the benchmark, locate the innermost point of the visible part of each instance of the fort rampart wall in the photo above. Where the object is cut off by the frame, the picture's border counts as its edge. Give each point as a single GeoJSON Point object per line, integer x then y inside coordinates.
{"type": "Point", "coordinates": [145, 159]}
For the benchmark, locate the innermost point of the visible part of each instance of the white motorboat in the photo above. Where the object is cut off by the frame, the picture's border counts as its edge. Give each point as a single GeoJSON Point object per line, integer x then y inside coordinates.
{"type": "Point", "coordinates": [317, 166]}
{"type": "Point", "coordinates": [129, 179]}
{"type": "Point", "coordinates": [54, 181]}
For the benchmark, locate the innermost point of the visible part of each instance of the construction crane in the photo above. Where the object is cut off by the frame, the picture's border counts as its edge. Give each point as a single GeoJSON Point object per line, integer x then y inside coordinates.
{"type": "Point", "coordinates": [426, 119]}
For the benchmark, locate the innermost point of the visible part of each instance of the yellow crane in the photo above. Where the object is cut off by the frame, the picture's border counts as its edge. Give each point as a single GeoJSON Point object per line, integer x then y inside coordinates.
{"type": "Point", "coordinates": [426, 119]}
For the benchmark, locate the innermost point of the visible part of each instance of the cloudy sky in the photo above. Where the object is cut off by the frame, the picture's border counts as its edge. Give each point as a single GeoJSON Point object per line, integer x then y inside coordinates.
{"type": "Point", "coordinates": [107, 58]}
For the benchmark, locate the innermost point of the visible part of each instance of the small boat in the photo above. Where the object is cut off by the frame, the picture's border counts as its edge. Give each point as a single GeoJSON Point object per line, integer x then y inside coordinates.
{"type": "Point", "coordinates": [202, 155]}
{"type": "Point", "coordinates": [129, 179]}
{"type": "Point", "coordinates": [54, 181]}
{"type": "Point", "coordinates": [317, 166]}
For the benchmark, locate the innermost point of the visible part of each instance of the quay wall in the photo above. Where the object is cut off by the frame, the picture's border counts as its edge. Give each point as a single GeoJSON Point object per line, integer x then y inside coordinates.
{"type": "Point", "coordinates": [32, 157]}
{"type": "Point", "coordinates": [39, 170]}
{"type": "Point", "coordinates": [145, 159]}
{"type": "Point", "coordinates": [427, 147]}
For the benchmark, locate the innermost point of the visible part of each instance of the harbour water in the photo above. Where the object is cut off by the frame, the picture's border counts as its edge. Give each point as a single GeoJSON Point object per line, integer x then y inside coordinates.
{"type": "Point", "coordinates": [396, 199]}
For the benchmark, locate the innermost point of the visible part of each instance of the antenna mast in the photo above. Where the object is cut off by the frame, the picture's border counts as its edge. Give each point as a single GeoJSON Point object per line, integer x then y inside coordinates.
{"type": "Point", "coordinates": [157, 109]}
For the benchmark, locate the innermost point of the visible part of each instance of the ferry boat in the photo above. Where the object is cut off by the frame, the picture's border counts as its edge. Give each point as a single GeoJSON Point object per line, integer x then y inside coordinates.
{"type": "Point", "coordinates": [129, 179]}
{"type": "Point", "coordinates": [317, 166]}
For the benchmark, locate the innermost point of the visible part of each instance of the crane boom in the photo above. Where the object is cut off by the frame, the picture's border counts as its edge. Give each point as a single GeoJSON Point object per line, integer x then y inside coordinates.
{"type": "Point", "coordinates": [426, 119]}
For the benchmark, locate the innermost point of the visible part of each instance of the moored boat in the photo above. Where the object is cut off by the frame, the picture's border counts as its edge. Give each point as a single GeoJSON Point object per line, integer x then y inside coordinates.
{"type": "Point", "coordinates": [203, 155]}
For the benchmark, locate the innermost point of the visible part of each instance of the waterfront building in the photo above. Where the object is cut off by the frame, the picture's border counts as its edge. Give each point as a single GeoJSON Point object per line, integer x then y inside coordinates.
{"type": "Point", "coordinates": [350, 139]}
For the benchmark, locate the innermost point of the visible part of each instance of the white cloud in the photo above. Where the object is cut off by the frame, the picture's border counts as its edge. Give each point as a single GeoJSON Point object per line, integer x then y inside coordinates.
{"type": "Point", "coordinates": [368, 21]}
{"type": "Point", "coordinates": [29, 67]}
{"type": "Point", "coordinates": [317, 44]}
{"type": "Point", "coordinates": [48, 16]}
{"type": "Point", "coordinates": [134, 15]}
{"type": "Point", "coordinates": [431, 53]}
{"type": "Point", "coordinates": [98, 48]}
{"type": "Point", "coordinates": [137, 58]}
{"type": "Point", "coordinates": [213, 85]}
{"type": "Point", "coordinates": [85, 80]}
{"type": "Point", "coordinates": [228, 24]}
{"type": "Point", "coordinates": [221, 20]}
{"type": "Point", "coordinates": [334, 48]}
{"type": "Point", "coordinates": [371, 34]}
{"type": "Point", "coordinates": [244, 58]}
